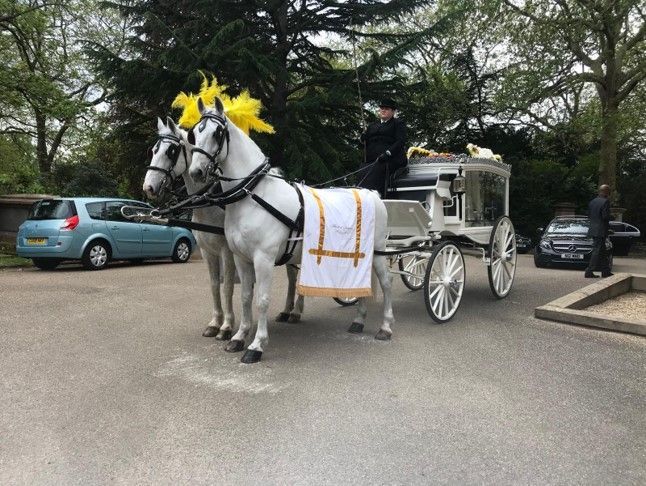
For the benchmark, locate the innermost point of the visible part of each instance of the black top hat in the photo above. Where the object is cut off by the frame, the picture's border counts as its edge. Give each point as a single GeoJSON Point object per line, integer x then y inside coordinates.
{"type": "Point", "coordinates": [387, 103]}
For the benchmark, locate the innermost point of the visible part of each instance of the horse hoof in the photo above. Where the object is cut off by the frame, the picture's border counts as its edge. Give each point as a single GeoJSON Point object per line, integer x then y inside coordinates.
{"type": "Point", "coordinates": [356, 328]}
{"type": "Point", "coordinates": [382, 335]}
{"type": "Point", "coordinates": [282, 317]}
{"type": "Point", "coordinates": [224, 335]}
{"type": "Point", "coordinates": [234, 346]}
{"type": "Point", "coordinates": [210, 331]}
{"type": "Point", "coordinates": [251, 356]}
{"type": "Point", "coordinates": [294, 318]}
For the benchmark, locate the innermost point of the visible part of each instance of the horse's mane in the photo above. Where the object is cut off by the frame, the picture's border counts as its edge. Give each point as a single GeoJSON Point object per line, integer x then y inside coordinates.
{"type": "Point", "coordinates": [242, 110]}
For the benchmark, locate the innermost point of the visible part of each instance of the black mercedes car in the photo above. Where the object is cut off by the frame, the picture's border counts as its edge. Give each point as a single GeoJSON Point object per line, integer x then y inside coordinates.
{"type": "Point", "coordinates": [565, 242]}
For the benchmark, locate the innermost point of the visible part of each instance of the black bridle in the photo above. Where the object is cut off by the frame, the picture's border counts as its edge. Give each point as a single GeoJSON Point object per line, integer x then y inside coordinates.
{"type": "Point", "coordinates": [175, 146]}
{"type": "Point", "coordinates": [221, 134]}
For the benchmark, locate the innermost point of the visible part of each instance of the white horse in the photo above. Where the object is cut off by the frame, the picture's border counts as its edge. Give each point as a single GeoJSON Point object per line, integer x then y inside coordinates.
{"type": "Point", "coordinates": [169, 162]}
{"type": "Point", "coordinates": [256, 237]}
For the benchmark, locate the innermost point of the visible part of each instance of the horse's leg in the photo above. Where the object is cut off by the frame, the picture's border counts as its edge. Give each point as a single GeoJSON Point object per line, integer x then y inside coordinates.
{"type": "Point", "coordinates": [385, 280]}
{"type": "Point", "coordinates": [292, 272]}
{"type": "Point", "coordinates": [295, 315]}
{"type": "Point", "coordinates": [357, 323]}
{"type": "Point", "coordinates": [229, 270]}
{"type": "Point", "coordinates": [246, 273]}
{"type": "Point", "coordinates": [264, 268]}
{"type": "Point", "coordinates": [213, 264]}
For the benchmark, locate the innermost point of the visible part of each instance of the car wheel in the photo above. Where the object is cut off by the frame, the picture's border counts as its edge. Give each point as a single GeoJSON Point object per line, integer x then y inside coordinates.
{"type": "Point", "coordinates": [45, 263]}
{"type": "Point", "coordinates": [182, 251]}
{"type": "Point", "coordinates": [96, 255]}
{"type": "Point", "coordinates": [538, 263]}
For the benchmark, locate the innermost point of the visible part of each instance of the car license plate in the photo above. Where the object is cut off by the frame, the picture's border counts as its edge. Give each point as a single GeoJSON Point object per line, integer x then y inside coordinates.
{"type": "Point", "coordinates": [36, 241]}
{"type": "Point", "coordinates": [572, 256]}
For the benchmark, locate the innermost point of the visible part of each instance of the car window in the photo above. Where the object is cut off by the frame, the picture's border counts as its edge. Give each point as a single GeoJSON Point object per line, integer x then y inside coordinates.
{"type": "Point", "coordinates": [95, 210]}
{"type": "Point", "coordinates": [113, 211]}
{"type": "Point", "coordinates": [570, 227]}
{"type": "Point", "coordinates": [617, 226]}
{"type": "Point", "coordinates": [52, 209]}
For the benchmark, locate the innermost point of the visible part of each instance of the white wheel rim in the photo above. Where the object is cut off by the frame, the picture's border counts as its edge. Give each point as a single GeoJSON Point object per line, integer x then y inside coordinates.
{"type": "Point", "coordinates": [347, 300]}
{"type": "Point", "coordinates": [98, 256]}
{"type": "Point", "coordinates": [446, 282]}
{"type": "Point", "coordinates": [503, 258]}
{"type": "Point", "coordinates": [417, 267]}
{"type": "Point", "coordinates": [182, 251]}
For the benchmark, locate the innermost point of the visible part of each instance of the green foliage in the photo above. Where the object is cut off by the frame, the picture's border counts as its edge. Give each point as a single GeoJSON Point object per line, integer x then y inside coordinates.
{"type": "Point", "coordinates": [89, 178]}
{"type": "Point", "coordinates": [18, 171]}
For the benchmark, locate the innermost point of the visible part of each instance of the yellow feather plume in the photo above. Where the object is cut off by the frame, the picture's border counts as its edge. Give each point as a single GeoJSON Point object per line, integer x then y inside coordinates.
{"type": "Point", "coordinates": [243, 110]}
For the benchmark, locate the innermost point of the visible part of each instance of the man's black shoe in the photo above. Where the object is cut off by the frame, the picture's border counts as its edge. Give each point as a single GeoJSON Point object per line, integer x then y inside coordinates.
{"type": "Point", "coordinates": [606, 275]}
{"type": "Point", "coordinates": [590, 275]}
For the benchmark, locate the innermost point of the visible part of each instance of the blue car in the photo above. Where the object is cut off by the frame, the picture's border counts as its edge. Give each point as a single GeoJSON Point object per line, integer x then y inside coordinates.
{"type": "Point", "coordinates": [94, 231]}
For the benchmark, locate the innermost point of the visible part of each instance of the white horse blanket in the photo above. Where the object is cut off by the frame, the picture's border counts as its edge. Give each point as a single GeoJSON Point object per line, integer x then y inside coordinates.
{"type": "Point", "coordinates": [338, 243]}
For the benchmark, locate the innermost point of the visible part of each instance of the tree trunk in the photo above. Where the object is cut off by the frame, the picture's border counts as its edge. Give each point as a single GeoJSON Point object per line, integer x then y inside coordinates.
{"type": "Point", "coordinates": [608, 165]}
{"type": "Point", "coordinates": [279, 100]}
{"type": "Point", "coordinates": [44, 165]}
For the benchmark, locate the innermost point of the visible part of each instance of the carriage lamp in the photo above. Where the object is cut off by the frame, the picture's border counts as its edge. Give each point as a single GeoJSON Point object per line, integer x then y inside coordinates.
{"type": "Point", "coordinates": [459, 184]}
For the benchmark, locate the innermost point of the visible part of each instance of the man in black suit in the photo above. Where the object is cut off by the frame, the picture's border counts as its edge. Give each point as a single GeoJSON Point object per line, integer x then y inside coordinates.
{"type": "Point", "coordinates": [599, 213]}
{"type": "Point", "coordinates": [385, 143]}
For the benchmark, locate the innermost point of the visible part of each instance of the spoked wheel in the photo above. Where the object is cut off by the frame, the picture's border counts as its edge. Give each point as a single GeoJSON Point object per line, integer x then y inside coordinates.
{"type": "Point", "coordinates": [502, 255]}
{"type": "Point", "coordinates": [444, 282]}
{"type": "Point", "coordinates": [416, 266]}
{"type": "Point", "coordinates": [345, 301]}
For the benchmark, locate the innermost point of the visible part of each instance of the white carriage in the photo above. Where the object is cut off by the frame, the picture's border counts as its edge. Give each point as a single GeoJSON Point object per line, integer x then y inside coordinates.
{"type": "Point", "coordinates": [445, 207]}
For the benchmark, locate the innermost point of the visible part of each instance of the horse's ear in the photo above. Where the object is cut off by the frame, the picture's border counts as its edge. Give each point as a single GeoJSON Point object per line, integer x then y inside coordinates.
{"type": "Point", "coordinates": [160, 124]}
{"type": "Point", "coordinates": [219, 106]}
{"type": "Point", "coordinates": [200, 105]}
{"type": "Point", "coordinates": [190, 137]}
{"type": "Point", "coordinates": [171, 124]}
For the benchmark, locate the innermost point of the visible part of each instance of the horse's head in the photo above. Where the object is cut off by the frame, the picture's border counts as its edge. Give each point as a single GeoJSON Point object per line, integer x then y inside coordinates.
{"type": "Point", "coordinates": [169, 159]}
{"type": "Point", "coordinates": [210, 138]}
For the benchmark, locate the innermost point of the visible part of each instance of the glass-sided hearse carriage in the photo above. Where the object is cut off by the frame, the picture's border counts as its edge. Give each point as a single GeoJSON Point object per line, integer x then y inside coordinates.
{"type": "Point", "coordinates": [441, 207]}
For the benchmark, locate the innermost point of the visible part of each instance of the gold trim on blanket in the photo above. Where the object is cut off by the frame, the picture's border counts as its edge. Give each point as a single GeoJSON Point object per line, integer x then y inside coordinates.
{"type": "Point", "coordinates": [321, 224]}
{"type": "Point", "coordinates": [320, 252]}
{"type": "Point", "coordinates": [357, 241]}
{"type": "Point", "coordinates": [332, 292]}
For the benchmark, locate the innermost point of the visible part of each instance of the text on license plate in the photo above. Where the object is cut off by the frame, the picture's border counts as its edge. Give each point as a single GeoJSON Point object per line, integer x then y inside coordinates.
{"type": "Point", "coordinates": [572, 256]}
{"type": "Point", "coordinates": [36, 241]}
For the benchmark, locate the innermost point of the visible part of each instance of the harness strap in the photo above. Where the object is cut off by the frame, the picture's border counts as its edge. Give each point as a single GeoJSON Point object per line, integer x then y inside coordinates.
{"type": "Point", "coordinates": [300, 223]}
{"type": "Point", "coordinates": [207, 228]}
{"type": "Point", "coordinates": [292, 225]}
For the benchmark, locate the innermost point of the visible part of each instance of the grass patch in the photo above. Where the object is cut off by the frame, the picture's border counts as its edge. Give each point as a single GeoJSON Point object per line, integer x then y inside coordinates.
{"type": "Point", "coordinates": [9, 261]}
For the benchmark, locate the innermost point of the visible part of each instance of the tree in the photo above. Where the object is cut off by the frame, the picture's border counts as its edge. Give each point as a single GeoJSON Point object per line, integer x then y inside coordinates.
{"type": "Point", "coordinates": [563, 45]}
{"type": "Point", "coordinates": [46, 84]}
{"type": "Point", "coordinates": [277, 49]}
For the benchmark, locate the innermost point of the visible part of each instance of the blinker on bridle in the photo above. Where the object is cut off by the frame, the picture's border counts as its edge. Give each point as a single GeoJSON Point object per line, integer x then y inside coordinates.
{"type": "Point", "coordinates": [221, 133]}
{"type": "Point", "coordinates": [172, 152]}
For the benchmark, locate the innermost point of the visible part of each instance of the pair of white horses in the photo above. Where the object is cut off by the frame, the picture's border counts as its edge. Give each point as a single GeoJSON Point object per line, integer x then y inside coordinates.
{"type": "Point", "coordinates": [257, 239]}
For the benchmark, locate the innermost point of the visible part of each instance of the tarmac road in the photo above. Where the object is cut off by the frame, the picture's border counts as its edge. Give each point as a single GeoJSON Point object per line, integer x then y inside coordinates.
{"type": "Point", "coordinates": [105, 379]}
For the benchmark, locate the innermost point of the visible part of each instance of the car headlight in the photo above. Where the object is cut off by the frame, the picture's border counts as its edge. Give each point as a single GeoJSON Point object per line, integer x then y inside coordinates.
{"type": "Point", "coordinates": [545, 244]}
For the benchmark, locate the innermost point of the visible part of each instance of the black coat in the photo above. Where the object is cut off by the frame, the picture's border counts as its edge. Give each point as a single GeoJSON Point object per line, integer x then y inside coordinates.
{"type": "Point", "coordinates": [380, 137]}
{"type": "Point", "coordinates": [599, 213]}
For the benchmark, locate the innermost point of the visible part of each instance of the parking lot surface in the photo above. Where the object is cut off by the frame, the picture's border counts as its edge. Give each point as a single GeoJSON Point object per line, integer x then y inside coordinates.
{"type": "Point", "coordinates": [107, 379]}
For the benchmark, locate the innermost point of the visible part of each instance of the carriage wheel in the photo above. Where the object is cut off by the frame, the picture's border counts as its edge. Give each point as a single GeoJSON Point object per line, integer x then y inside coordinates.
{"type": "Point", "coordinates": [444, 281]}
{"type": "Point", "coordinates": [502, 254]}
{"type": "Point", "coordinates": [345, 301]}
{"type": "Point", "coordinates": [416, 265]}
